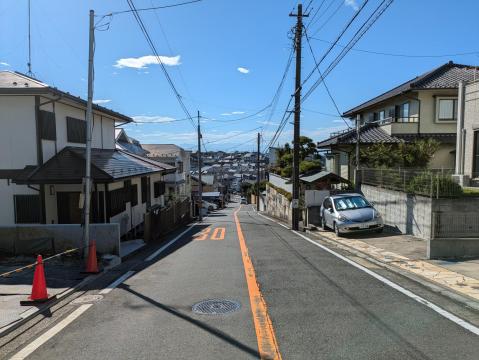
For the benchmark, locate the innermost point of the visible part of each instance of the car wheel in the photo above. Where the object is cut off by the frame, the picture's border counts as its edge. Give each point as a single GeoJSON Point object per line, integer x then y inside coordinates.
{"type": "Point", "coordinates": [336, 230]}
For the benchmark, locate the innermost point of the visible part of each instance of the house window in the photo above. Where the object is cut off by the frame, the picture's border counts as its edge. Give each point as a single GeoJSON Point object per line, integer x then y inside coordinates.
{"type": "Point", "coordinates": [118, 200]}
{"type": "Point", "coordinates": [180, 167]}
{"type": "Point", "coordinates": [27, 209]}
{"type": "Point", "coordinates": [446, 109]}
{"type": "Point", "coordinates": [47, 125]}
{"type": "Point", "coordinates": [134, 195]}
{"type": "Point", "coordinates": [382, 115]}
{"type": "Point", "coordinates": [144, 189]}
{"type": "Point", "coordinates": [475, 159]}
{"type": "Point", "coordinates": [76, 130]}
{"type": "Point", "coordinates": [159, 188]}
{"type": "Point", "coordinates": [404, 112]}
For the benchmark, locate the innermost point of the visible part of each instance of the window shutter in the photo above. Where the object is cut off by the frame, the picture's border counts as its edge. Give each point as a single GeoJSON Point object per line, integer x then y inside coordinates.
{"type": "Point", "coordinates": [47, 125]}
{"type": "Point", "coordinates": [76, 130]}
{"type": "Point", "coordinates": [397, 112]}
{"type": "Point", "coordinates": [27, 209]}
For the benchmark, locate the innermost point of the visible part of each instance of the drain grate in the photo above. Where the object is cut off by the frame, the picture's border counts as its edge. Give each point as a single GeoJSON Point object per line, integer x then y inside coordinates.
{"type": "Point", "coordinates": [216, 307]}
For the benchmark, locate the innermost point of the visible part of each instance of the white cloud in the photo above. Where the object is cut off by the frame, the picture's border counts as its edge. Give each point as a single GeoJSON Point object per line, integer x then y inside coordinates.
{"type": "Point", "coordinates": [233, 113]}
{"type": "Point", "coordinates": [100, 101]}
{"type": "Point", "coordinates": [243, 70]}
{"type": "Point", "coordinates": [143, 61]}
{"type": "Point", "coordinates": [352, 3]}
{"type": "Point", "coordinates": [4, 63]}
{"type": "Point", "coordinates": [152, 119]}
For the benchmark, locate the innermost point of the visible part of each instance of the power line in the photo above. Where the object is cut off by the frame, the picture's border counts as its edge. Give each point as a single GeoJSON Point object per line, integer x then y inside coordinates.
{"type": "Point", "coordinates": [340, 5]}
{"type": "Point", "coordinates": [324, 82]}
{"type": "Point", "coordinates": [232, 136]}
{"type": "Point", "coordinates": [398, 54]}
{"type": "Point", "coordinates": [315, 14]}
{"type": "Point", "coordinates": [336, 41]}
{"type": "Point", "coordinates": [241, 118]}
{"type": "Point", "coordinates": [375, 15]}
{"type": "Point", "coordinates": [160, 122]}
{"type": "Point", "coordinates": [314, 21]}
{"type": "Point", "coordinates": [155, 52]}
{"type": "Point", "coordinates": [150, 8]}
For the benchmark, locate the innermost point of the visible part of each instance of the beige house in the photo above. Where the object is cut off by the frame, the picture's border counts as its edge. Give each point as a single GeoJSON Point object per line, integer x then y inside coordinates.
{"type": "Point", "coordinates": [424, 107]}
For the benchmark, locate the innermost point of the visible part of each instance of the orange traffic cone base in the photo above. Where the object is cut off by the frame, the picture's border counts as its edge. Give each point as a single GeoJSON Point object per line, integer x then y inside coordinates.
{"type": "Point", "coordinates": [39, 287]}
{"type": "Point", "coordinates": [91, 263]}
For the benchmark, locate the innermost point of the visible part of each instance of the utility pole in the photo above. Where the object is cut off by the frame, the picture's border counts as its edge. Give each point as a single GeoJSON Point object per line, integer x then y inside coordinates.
{"type": "Point", "coordinates": [257, 174]}
{"type": "Point", "coordinates": [358, 139]}
{"type": "Point", "coordinates": [200, 184]}
{"type": "Point", "coordinates": [89, 115]}
{"type": "Point", "coordinates": [297, 112]}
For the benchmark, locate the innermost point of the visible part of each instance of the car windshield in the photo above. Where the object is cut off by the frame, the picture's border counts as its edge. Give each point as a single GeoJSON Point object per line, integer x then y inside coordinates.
{"type": "Point", "coordinates": [350, 203]}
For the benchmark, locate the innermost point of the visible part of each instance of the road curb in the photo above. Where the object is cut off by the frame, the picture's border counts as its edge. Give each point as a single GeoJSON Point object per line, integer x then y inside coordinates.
{"type": "Point", "coordinates": [450, 293]}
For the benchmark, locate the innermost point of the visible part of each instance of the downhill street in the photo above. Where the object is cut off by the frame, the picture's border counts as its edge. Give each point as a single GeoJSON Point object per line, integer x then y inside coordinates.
{"type": "Point", "coordinates": [318, 305]}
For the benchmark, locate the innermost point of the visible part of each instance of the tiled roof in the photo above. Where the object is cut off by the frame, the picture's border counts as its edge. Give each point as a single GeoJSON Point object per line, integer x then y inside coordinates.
{"type": "Point", "coordinates": [446, 76]}
{"type": "Point", "coordinates": [370, 134]}
{"type": "Point", "coordinates": [322, 175]}
{"type": "Point", "coordinates": [163, 150]}
{"type": "Point", "coordinates": [68, 167]}
{"type": "Point", "coordinates": [17, 83]}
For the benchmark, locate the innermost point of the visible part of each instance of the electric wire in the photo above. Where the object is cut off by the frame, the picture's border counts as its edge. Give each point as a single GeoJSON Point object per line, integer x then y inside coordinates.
{"type": "Point", "coordinates": [152, 8]}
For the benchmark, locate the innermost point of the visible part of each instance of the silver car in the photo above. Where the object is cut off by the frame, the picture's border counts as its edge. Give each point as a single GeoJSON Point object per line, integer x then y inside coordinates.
{"type": "Point", "coordinates": [349, 213]}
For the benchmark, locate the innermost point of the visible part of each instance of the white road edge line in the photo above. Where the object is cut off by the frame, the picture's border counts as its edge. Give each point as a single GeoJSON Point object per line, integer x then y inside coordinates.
{"type": "Point", "coordinates": [30, 348]}
{"type": "Point", "coordinates": [277, 222]}
{"type": "Point", "coordinates": [161, 249]}
{"type": "Point", "coordinates": [462, 323]}
{"type": "Point", "coordinates": [117, 282]}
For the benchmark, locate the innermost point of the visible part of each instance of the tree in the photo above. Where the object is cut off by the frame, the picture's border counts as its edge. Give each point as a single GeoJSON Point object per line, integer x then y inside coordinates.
{"type": "Point", "coordinates": [307, 149]}
{"type": "Point", "coordinates": [410, 155]}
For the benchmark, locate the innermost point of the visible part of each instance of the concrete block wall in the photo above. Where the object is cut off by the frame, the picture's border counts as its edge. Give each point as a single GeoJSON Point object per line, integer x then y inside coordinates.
{"type": "Point", "coordinates": [30, 239]}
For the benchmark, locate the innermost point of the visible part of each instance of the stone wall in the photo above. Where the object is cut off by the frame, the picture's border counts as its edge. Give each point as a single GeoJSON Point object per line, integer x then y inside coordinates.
{"type": "Point", "coordinates": [277, 205]}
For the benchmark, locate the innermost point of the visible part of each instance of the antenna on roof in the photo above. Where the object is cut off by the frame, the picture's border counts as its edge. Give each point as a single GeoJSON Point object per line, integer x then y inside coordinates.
{"type": "Point", "coordinates": [29, 63]}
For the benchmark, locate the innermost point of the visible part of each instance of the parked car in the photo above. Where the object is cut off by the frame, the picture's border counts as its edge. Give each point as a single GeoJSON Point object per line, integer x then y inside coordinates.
{"type": "Point", "coordinates": [208, 205]}
{"type": "Point", "coordinates": [243, 200]}
{"type": "Point", "coordinates": [350, 213]}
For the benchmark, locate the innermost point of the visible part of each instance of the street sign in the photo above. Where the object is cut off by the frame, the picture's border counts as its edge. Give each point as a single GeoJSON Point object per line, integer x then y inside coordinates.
{"type": "Point", "coordinates": [295, 203]}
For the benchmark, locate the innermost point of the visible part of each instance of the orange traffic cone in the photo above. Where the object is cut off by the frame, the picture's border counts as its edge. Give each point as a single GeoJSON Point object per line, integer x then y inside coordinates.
{"type": "Point", "coordinates": [91, 263]}
{"type": "Point", "coordinates": [39, 287]}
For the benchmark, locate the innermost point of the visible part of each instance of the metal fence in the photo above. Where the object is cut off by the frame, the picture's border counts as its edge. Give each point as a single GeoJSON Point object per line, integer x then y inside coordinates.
{"type": "Point", "coordinates": [160, 221]}
{"type": "Point", "coordinates": [455, 225]}
{"type": "Point", "coordinates": [427, 182]}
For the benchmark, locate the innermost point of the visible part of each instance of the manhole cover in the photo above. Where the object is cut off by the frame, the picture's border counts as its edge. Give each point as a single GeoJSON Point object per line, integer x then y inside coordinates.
{"type": "Point", "coordinates": [87, 299]}
{"type": "Point", "coordinates": [216, 307]}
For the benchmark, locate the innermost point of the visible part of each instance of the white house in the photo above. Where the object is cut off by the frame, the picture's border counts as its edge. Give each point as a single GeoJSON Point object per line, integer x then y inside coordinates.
{"type": "Point", "coordinates": [42, 162]}
{"type": "Point", "coordinates": [178, 184]}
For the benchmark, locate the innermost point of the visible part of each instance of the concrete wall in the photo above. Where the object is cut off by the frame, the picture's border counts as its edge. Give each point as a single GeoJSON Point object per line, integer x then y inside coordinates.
{"type": "Point", "coordinates": [408, 214]}
{"type": "Point", "coordinates": [450, 225]}
{"type": "Point", "coordinates": [277, 205]}
{"type": "Point", "coordinates": [280, 182]}
{"type": "Point", "coordinates": [33, 239]}
{"type": "Point", "coordinates": [471, 124]}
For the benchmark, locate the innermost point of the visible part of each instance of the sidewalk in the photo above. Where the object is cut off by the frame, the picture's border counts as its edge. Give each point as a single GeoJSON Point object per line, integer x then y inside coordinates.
{"type": "Point", "coordinates": [60, 276]}
{"type": "Point", "coordinates": [408, 253]}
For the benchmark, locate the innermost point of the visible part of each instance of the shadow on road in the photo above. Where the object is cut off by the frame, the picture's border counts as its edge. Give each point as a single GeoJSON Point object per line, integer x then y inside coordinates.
{"type": "Point", "coordinates": [213, 331]}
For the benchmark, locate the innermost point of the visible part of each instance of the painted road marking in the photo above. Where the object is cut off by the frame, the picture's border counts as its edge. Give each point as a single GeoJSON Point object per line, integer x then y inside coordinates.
{"type": "Point", "coordinates": [203, 234]}
{"type": "Point", "coordinates": [215, 235]}
{"type": "Point", "coordinates": [117, 282]}
{"type": "Point", "coordinates": [462, 323]}
{"type": "Point", "coordinates": [30, 348]}
{"type": "Point", "coordinates": [169, 243]}
{"type": "Point", "coordinates": [267, 345]}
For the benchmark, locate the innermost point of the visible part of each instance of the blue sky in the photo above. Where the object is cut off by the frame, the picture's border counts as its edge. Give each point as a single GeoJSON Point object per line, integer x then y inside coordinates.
{"type": "Point", "coordinates": [206, 44]}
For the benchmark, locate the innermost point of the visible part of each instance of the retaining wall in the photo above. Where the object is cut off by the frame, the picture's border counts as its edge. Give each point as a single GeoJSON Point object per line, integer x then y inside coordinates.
{"type": "Point", "coordinates": [277, 205]}
{"type": "Point", "coordinates": [33, 239]}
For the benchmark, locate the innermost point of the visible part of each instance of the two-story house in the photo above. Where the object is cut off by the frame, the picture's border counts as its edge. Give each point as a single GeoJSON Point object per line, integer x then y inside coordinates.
{"type": "Point", "coordinates": [42, 162]}
{"type": "Point", "coordinates": [178, 184]}
{"type": "Point", "coordinates": [424, 107]}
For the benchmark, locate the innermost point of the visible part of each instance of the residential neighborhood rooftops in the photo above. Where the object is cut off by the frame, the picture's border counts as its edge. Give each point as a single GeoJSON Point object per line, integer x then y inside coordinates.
{"type": "Point", "coordinates": [322, 175]}
{"type": "Point", "coordinates": [68, 167]}
{"type": "Point", "coordinates": [127, 143]}
{"type": "Point", "coordinates": [12, 83]}
{"type": "Point", "coordinates": [446, 76]}
{"type": "Point", "coordinates": [163, 150]}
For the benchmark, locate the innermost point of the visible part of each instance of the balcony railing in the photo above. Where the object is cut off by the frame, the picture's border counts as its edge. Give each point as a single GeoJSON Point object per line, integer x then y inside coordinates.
{"type": "Point", "coordinates": [401, 120]}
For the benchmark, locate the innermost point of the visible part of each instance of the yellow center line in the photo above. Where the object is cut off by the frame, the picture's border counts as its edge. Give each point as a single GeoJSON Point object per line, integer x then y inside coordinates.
{"type": "Point", "coordinates": [267, 345]}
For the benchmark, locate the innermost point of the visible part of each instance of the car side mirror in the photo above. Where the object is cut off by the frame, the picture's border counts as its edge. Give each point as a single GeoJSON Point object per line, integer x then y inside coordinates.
{"type": "Point", "coordinates": [330, 210]}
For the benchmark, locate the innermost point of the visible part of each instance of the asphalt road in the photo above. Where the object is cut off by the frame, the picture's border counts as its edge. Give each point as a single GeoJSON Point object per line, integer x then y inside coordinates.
{"type": "Point", "coordinates": [318, 306]}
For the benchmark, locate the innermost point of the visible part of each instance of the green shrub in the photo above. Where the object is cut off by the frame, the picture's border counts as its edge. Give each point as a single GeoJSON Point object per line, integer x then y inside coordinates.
{"type": "Point", "coordinates": [430, 184]}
